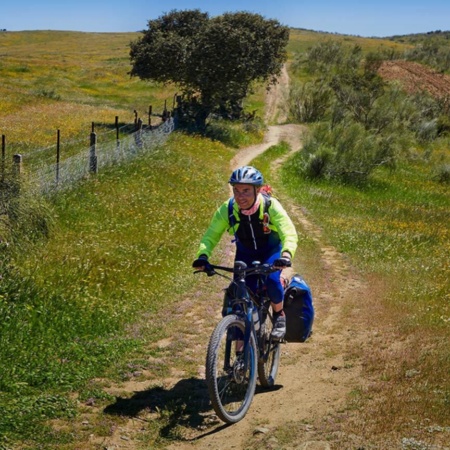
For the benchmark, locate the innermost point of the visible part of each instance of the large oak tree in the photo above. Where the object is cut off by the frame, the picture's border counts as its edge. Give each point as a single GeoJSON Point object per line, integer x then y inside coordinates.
{"type": "Point", "coordinates": [213, 60]}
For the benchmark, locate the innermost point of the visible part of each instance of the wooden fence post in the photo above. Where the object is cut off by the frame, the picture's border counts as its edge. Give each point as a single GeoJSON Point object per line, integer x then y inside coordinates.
{"type": "Point", "coordinates": [17, 162]}
{"type": "Point", "coordinates": [117, 128]}
{"type": "Point", "coordinates": [93, 168]}
{"type": "Point", "coordinates": [138, 133]}
{"type": "Point", "coordinates": [174, 100]}
{"type": "Point", "coordinates": [150, 116]}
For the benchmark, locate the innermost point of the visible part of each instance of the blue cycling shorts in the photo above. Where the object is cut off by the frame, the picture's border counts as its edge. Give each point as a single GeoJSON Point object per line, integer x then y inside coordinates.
{"type": "Point", "coordinates": [275, 289]}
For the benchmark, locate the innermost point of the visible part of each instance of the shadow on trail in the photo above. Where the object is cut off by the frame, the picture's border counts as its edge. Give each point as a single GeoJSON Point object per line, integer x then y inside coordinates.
{"type": "Point", "coordinates": [186, 404]}
{"type": "Point", "coordinates": [183, 404]}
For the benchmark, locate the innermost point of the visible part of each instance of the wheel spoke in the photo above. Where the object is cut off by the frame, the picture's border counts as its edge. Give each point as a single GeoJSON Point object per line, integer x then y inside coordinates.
{"type": "Point", "coordinates": [231, 390]}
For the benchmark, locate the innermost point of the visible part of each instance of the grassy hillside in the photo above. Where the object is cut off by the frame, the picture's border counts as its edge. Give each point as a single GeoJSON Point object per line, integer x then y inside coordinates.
{"type": "Point", "coordinates": [300, 40]}
{"type": "Point", "coordinates": [67, 80]}
{"type": "Point", "coordinates": [396, 230]}
{"type": "Point", "coordinates": [82, 297]}
{"type": "Point", "coordinates": [422, 38]}
{"type": "Point", "coordinates": [119, 247]}
{"type": "Point", "coordinates": [81, 268]}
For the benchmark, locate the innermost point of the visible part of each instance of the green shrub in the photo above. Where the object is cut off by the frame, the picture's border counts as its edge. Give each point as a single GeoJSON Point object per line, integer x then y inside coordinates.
{"type": "Point", "coordinates": [427, 131]}
{"type": "Point", "coordinates": [235, 133]}
{"type": "Point", "coordinates": [432, 52]}
{"type": "Point", "coordinates": [309, 102]}
{"type": "Point", "coordinates": [442, 174]}
{"type": "Point", "coordinates": [330, 57]}
{"type": "Point", "coordinates": [347, 152]}
{"type": "Point", "coordinates": [48, 93]}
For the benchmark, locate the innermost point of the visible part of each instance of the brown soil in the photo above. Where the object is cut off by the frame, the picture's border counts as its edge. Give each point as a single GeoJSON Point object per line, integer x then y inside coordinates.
{"type": "Point", "coordinates": [415, 77]}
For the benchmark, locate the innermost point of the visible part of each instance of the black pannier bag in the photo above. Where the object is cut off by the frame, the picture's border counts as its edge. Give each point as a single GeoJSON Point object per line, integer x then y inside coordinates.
{"type": "Point", "coordinates": [299, 310]}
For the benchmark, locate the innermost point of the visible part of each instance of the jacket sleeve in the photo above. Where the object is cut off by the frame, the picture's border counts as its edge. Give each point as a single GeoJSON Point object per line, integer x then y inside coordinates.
{"type": "Point", "coordinates": [286, 229]}
{"type": "Point", "coordinates": [218, 225]}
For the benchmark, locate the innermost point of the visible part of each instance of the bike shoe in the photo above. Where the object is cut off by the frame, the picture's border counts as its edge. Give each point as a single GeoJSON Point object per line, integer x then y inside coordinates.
{"type": "Point", "coordinates": [279, 328]}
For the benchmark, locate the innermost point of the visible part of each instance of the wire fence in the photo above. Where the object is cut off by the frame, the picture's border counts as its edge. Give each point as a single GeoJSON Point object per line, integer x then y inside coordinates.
{"type": "Point", "coordinates": [45, 177]}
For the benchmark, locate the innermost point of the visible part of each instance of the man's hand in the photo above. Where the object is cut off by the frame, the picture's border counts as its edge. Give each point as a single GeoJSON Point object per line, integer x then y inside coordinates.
{"type": "Point", "coordinates": [283, 262]}
{"type": "Point", "coordinates": [201, 262]}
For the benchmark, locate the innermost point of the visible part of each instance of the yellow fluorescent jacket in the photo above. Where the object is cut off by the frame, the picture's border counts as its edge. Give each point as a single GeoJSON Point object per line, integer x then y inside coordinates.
{"type": "Point", "coordinates": [279, 222]}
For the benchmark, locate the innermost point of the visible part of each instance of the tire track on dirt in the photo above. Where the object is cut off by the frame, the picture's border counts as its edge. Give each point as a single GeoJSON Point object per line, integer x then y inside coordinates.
{"type": "Point", "coordinates": [416, 77]}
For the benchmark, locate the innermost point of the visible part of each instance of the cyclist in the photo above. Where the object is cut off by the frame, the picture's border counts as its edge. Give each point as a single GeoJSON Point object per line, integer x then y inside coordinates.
{"type": "Point", "coordinates": [263, 232]}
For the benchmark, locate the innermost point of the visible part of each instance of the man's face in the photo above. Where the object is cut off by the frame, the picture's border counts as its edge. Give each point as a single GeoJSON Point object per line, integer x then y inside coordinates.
{"type": "Point", "coordinates": [244, 194]}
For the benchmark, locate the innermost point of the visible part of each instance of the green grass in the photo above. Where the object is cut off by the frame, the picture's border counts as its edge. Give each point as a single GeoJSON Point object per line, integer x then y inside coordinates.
{"type": "Point", "coordinates": [67, 80]}
{"type": "Point", "coordinates": [264, 162]}
{"type": "Point", "coordinates": [396, 225]}
{"type": "Point", "coordinates": [301, 40]}
{"type": "Point", "coordinates": [236, 134]}
{"type": "Point", "coordinates": [395, 229]}
{"type": "Point", "coordinates": [112, 255]}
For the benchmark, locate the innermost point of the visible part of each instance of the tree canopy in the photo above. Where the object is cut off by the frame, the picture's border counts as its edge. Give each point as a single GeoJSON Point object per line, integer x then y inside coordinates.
{"type": "Point", "coordinates": [215, 59]}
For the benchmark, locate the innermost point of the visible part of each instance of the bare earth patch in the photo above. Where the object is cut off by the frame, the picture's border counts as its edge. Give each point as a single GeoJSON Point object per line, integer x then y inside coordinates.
{"type": "Point", "coordinates": [415, 77]}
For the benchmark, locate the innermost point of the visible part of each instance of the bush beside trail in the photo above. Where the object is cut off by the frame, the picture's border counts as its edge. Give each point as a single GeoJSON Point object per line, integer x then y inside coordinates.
{"type": "Point", "coordinates": [370, 121]}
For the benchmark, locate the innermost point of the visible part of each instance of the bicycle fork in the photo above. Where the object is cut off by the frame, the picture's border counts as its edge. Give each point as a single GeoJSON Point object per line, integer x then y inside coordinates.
{"type": "Point", "coordinates": [242, 349]}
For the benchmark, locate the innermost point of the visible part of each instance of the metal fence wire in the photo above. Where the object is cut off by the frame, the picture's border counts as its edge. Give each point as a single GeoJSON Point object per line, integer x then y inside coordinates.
{"type": "Point", "coordinates": [47, 178]}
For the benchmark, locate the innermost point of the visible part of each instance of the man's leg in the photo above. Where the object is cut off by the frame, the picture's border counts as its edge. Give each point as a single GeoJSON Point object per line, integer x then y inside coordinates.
{"type": "Point", "coordinates": [275, 291]}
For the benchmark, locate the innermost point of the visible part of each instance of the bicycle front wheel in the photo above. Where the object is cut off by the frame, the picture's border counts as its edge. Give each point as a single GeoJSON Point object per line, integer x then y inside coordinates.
{"type": "Point", "coordinates": [269, 355]}
{"type": "Point", "coordinates": [231, 382]}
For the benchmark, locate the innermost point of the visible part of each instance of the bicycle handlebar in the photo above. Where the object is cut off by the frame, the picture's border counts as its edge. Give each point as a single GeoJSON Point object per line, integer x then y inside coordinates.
{"type": "Point", "coordinates": [240, 268]}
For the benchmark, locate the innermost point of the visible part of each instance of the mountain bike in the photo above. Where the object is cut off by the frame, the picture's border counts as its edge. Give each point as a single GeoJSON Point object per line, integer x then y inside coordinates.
{"type": "Point", "coordinates": [241, 347]}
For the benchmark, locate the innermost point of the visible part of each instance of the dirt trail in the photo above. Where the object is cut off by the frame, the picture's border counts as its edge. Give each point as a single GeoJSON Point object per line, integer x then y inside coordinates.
{"type": "Point", "coordinates": [313, 380]}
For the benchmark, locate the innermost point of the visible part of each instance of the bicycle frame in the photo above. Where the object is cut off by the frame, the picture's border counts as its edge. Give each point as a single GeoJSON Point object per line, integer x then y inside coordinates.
{"type": "Point", "coordinates": [231, 377]}
{"type": "Point", "coordinates": [244, 298]}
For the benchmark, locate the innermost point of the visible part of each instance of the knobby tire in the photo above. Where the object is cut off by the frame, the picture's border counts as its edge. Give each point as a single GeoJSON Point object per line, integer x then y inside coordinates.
{"type": "Point", "coordinates": [269, 358]}
{"type": "Point", "coordinates": [230, 389]}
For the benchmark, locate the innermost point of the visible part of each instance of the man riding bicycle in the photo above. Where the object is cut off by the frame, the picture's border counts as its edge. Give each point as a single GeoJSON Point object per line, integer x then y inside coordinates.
{"type": "Point", "coordinates": [263, 232]}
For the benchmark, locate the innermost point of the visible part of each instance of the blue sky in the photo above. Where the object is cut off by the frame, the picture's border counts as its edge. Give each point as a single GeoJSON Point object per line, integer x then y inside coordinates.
{"type": "Point", "coordinates": [357, 17]}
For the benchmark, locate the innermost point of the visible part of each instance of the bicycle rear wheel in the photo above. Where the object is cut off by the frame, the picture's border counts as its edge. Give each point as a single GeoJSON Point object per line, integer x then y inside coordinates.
{"type": "Point", "coordinates": [231, 385]}
{"type": "Point", "coordinates": [269, 357]}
